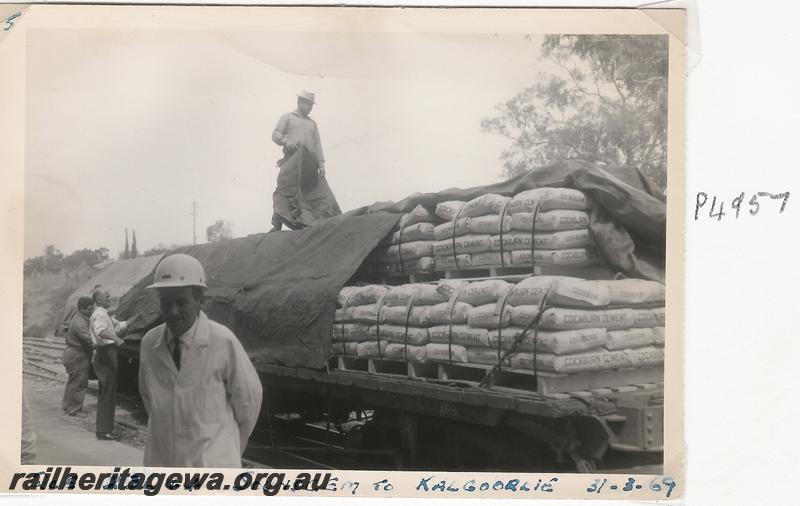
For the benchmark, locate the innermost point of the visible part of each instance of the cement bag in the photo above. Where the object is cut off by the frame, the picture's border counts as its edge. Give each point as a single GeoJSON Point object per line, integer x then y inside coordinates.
{"type": "Point", "coordinates": [398, 351]}
{"type": "Point", "coordinates": [364, 314]}
{"type": "Point", "coordinates": [547, 240]}
{"type": "Point", "coordinates": [577, 257]}
{"type": "Point", "coordinates": [489, 224]}
{"type": "Point", "coordinates": [560, 343]}
{"type": "Point", "coordinates": [418, 317]}
{"type": "Point", "coordinates": [440, 313]}
{"type": "Point", "coordinates": [422, 264]}
{"type": "Point", "coordinates": [551, 220]}
{"type": "Point", "coordinates": [351, 332]}
{"type": "Point", "coordinates": [417, 215]}
{"type": "Point", "coordinates": [449, 263]}
{"type": "Point", "coordinates": [397, 334]}
{"type": "Point", "coordinates": [465, 244]}
{"type": "Point", "coordinates": [645, 318]}
{"type": "Point", "coordinates": [628, 292]}
{"type": "Point", "coordinates": [371, 349]}
{"type": "Point", "coordinates": [340, 315]}
{"type": "Point", "coordinates": [630, 338]}
{"type": "Point", "coordinates": [368, 294]}
{"type": "Point", "coordinates": [486, 356]}
{"type": "Point", "coordinates": [659, 336]}
{"type": "Point", "coordinates": [557, 318]}
{"type": "Point", "coordinates": [448, 210]}
{"type": "Point", "coordinates": [523, 316]}
{"type": "Point", "coordinates": [461, 335]}
{"type": "Point", "coordinates": [489, 317]}
{"type": "Point", "coordinates": [440, 352]}
{"type": "Point", "coordinates": [445, 288]}
{"type": "Point", "coordinates": [661, 315]}
{"type": "Point", "coordinates": [644, 357]}
{"type": "Point", "coordinates": [482, 205]}
{"type": "Point", "coordinates": [581, 362]}
{"type": "Point", "coordinates": [426, 294]}
{"type": "Point", "coordinates": [490, 259]}
{"type": "Point", "coordinates": [416, 232]}
{"type": "Point", "coordinates": [530, 290]}
{"type": "Point", "coordinates": [409, 251]}
{"type": "Point", "coordinates": [445, 230]}
{"type": "Point", "coordinates": [484, 292]}
{"type": "Point", "coordinates": [345, 349]}
{"type": "Point", "coordinates": [343, 298]}
{"type": "Point", "coordinates": [549, 199]}
{"type": "Point", "coordinates": [575, 292]}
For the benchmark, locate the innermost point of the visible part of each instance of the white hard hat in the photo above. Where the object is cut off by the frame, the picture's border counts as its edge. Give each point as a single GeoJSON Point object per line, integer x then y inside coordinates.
{"type": "Point", "coordinates": [179, 270]}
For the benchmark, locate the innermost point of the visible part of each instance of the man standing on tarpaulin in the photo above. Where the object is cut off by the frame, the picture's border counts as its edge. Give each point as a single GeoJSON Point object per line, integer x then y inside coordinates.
{"type": "Point", "coordinates": [302, 195]}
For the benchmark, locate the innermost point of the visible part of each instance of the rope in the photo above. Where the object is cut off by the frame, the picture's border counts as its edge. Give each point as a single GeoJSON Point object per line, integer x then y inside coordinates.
{"type": "Point", "coordinates": [455, 220]}
{"type": "Point", "coordinates": [533, 234]}
{"type": "Point", "coordinates": [408, 317]}
{"type": "Point", "coordinates": [451, 305]}
{"type": "Point", "coordinates": [534, 323]}
{"type": "Point", "coordinates": [502, 219]}
{"type": "Point", "coordinates": [378, 307]}
{"type": "Point", "coordinates": [400, 245]}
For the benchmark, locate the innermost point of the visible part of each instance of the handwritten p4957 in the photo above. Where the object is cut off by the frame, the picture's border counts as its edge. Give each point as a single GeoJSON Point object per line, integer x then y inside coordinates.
{"type": "Point", "coordinates": [739, 205]}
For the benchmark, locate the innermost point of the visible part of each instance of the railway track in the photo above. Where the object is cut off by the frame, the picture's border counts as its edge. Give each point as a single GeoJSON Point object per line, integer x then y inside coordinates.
{"type": "Point", "coordinates": [305, 447]}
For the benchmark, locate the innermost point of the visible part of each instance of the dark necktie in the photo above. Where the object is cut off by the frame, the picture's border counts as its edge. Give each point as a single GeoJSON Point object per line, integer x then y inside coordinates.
{"type": "Point", "coordinates": [176, 352]}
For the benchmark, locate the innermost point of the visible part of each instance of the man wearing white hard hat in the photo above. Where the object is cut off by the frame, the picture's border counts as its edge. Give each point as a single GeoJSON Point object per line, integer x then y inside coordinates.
{"type": "Point", "coordinates": [200, 390]}
{"type": "Point", "coordinates": [298, 135]}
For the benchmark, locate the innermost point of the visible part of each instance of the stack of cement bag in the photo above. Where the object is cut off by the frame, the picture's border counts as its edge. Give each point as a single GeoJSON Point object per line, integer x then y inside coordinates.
{"type": "Point", "coordinates": [409, 248]}
{"type": "Point", "coordinates": [585, 325]}
{"type": "Point", "coordinates": [461, 235]}
{"type": "Point", "coordinates": [376, 321]}
{"type": "Point", "coordinates": [474, 237]}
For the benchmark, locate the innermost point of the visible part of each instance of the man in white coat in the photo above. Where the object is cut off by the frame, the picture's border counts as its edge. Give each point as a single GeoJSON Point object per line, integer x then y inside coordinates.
{"type": "Point", "coordinates": [200, 390]}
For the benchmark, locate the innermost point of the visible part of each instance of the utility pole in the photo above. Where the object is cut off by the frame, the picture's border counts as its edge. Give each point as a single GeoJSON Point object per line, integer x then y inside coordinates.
{"type": "Point", "coordinates": [194, 222]}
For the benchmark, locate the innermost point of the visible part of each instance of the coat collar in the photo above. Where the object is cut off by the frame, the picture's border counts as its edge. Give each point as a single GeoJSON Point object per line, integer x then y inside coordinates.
{"type": "Point", "coordinates": [201, 334]}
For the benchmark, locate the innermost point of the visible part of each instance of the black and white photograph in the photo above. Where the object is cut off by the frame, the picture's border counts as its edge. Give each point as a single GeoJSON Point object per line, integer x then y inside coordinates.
{"type": "Point", "coordinates": [353, 239]}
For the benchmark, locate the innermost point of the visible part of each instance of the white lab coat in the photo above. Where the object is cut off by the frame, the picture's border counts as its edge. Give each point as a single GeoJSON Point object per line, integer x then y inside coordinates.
{"type": "Point", "coordinates": [202, 415]}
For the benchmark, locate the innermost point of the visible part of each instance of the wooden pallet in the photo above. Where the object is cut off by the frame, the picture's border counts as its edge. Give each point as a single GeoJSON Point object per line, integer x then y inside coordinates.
{"type": "Point", "coordinates": [591, 272]}
{"type": "Point", "coordinates": [596, 383]}
{"type": "Point", "coordinates": [397, 278]}
{"type": "Point", "coordinates": [394, 367]}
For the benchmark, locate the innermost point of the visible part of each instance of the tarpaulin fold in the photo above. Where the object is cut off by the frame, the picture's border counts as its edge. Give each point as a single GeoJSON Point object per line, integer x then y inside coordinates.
{"type": "Point", "coordinates": [302, 196]}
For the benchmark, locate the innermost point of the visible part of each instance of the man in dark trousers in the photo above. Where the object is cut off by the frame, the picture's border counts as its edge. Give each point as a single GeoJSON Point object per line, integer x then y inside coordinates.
{"type": "Point", "coordinates": [106, 334]}
{"type": "Point", "coordinates": [302, 196]}
{"type": "Point", "coordinates": [77, 357]}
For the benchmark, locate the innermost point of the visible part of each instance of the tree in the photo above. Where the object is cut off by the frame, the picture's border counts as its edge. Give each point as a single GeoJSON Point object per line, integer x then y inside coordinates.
{"type": "Point", "coordinates": [219, 231]}
{"type": "Point", "coordinates": [607, 102]}
{"type": "Point", "coordinates": [127, 253]}
{"type": "Point", "coordinates": [134, 251]}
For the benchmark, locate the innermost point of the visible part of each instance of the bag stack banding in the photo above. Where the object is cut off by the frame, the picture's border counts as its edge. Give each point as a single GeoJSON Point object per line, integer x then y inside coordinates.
{"type": "Point", "coordinates": [543, 325]}
{"type": "Point", "coordinates": [409, 247]}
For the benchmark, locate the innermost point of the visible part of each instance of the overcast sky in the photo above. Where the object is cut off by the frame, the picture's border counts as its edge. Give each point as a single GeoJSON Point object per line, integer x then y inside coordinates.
{"type": "Point", "coordinates": [128, 128]}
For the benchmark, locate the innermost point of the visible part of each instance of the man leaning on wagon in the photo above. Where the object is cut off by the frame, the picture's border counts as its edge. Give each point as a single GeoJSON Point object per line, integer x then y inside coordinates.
{"type": "Point", "coordinates": [77, 357]}
{"type": "Point", "coordinates": [107, 333]}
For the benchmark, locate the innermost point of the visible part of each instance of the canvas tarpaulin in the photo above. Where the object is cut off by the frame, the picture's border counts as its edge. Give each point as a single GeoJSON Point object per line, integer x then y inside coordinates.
{"type": "Point", "coordinates": [302, 197]}
{"type": "Point", "coordinates": [629, 223]}
{"type": "Point", "coordinates": [116, 278]}
{"type": "Point", "coordinates": [277, 291]}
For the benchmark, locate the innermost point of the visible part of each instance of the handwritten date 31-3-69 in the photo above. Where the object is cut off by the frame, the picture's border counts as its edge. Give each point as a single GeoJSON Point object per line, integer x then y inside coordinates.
{"type": "Point", "coordinates": [740, 205]}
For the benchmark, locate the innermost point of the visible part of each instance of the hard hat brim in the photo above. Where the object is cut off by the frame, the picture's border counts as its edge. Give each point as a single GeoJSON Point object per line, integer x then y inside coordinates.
{"type": "Point", "coordinates": [175, 284]}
